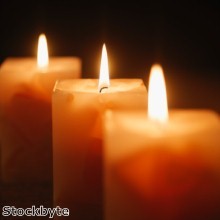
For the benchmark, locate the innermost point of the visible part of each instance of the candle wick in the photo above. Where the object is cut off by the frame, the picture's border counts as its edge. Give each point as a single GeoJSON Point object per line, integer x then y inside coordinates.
{"type": "Point", "coordinates": [104, 87]}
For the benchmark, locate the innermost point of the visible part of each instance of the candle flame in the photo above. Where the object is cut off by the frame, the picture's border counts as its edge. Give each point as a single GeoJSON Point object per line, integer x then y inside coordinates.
{"type": "Point", "coordinates": [157, 98]}
{"type": "Point", "coordinates": [42, 53]}
{"type": "Point", "coordinates": [104, 71]}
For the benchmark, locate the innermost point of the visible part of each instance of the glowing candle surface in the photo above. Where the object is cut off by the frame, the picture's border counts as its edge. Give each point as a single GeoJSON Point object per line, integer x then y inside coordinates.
{"type": "Point", "coordinates": [77, 137]}
{"type": "Point", "coordinates": [25, 113]}
{"type": "Point", "coordinates": [164, 166]}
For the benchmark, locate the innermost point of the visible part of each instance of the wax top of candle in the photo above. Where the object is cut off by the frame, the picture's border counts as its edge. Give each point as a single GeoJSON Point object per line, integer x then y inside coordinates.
{"type": "Point", "coordinates": [29, 64]}
{"type": "Point", "coordinates": [91, 85]}
{"type": "Point", "coordinates": [182, 122]}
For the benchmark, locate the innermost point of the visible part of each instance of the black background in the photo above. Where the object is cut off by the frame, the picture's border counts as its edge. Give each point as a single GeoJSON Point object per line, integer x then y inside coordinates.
{"type": "Point", "coordinates": [184, 36]}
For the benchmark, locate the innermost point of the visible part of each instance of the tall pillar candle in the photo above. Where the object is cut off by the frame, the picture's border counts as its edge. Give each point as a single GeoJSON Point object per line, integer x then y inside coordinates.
{"type": "Point", "coordinates": [77, 137]}
{"type": "Point", "coordinates": [158, 168]}
{"type": "Point", "coordinates": [25, 114]}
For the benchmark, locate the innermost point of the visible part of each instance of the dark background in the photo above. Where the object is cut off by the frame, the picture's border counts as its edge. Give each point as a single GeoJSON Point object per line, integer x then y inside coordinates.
{"type": "Point", "coordinates": [184, 36]}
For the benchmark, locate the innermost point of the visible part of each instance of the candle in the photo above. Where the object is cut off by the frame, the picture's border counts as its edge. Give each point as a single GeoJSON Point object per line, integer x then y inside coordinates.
{"type": "Point", "coordinates": [25, 113]}
{"type": "Point", "coordinates": [166, 166]}
{"type": "Point", "coordinates": [77, 136]}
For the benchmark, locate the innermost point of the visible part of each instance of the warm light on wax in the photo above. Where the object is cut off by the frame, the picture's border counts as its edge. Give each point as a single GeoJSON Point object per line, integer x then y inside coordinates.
{"type": "Point", "coordinates": [42, 52]}
{"type": "Point", "coordinates": [157, 98]}
{"type": "Point", "coordinates": [104, 71]}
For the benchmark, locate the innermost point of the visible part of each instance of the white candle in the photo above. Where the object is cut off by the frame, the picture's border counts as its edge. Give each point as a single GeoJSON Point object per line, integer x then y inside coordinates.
{"type": "Point", "coordinates": [25, 113]}
{"type": "Point", "coordinates": [160, 168]}
{"type": "Point", "coordinates": [77, 137]}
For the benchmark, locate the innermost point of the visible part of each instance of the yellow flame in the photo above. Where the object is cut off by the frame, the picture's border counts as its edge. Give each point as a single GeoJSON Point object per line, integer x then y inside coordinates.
{"type": "Point", "coordinates": [42, 52]}
{"type": "Point", "coordinates": [157, 98]}
{"type": "Point", "coordinates": [104, 70]}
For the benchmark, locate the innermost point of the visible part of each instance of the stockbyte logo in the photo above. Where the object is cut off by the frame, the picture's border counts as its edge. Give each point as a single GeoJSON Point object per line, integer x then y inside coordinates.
{"type": "Point", "coordinates": [33, 211]}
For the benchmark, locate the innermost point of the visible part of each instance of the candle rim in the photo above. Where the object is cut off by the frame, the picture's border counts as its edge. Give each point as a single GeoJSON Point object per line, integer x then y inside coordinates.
{"type": "Point", "coordinates": [137, 85]}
